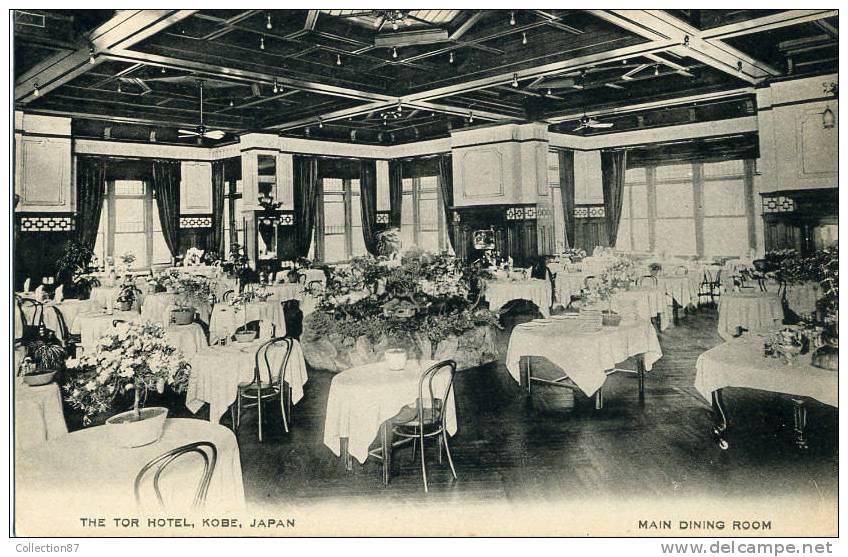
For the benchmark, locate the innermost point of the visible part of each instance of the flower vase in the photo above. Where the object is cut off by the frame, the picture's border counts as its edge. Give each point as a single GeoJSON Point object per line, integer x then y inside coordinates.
{"type": "Point", "coordinates": [137, 428]}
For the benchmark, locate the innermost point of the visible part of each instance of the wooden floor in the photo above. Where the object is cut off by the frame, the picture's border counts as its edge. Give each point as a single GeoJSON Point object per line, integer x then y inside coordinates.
{"type": "Point", "coordinates": [511, 449]}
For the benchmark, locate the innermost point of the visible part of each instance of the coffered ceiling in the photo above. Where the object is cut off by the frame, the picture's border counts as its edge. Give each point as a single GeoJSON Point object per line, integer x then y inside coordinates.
{"type": "Point", "coordinates": [395, 76]}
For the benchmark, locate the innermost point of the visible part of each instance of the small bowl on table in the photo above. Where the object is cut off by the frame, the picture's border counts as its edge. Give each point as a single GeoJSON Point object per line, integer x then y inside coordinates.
{"type": "Point", "coordinates": [245, 336]}
{"type": "Point", "coordinates": [39, 379]}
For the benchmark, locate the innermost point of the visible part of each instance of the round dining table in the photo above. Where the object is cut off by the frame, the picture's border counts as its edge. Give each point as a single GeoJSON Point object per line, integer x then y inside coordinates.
{"type": "Point", "coordinates": [754, 311]}
{"type": "Point", "coordinates": [38, 414]}
{"type": "Point", "coordinates": [538, 291]}
{"type": "Point", "coordinates": [189, 339]}
{"type": "Point", "coordinates": [217, 371]}
{"type": "Point", "coordinates": [87, 474]}
{"type": "Point", "coordinates": [363, 398]}
{"type": "Point", "coordinates": [91, 325]}
{"type": "Point", "coordinates": [157, 307]}
{"type": "Point", "coordinates": [226, 318]}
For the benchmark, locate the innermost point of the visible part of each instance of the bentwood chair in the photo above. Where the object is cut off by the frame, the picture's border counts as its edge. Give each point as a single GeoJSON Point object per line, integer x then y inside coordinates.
{"type": "Point", "coordinates": [69, 340]}
{"type": "Point", "coordinates": [426, 418]}
{"type": "Point", "coordinates": [208, 453]}
{"type": "Point", "coordinates": [711, 285]}
{"type": "Point", "coordinates": [267, 383]}
{"type": "Point", "coordinates": [32, 317]}
{"type": "Point", "coordinates": [652, 279]}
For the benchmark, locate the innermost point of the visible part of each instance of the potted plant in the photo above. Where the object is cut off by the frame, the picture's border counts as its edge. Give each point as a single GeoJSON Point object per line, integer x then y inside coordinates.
{"type": "Point", "coordinates": [46, 358]}
{"type": "Point", "coordinates": [131, 359]}
{"type": "Point", "coordinates": [127, 296]}
{"type": "Point", "coordinates": [128, 259]}
{"type": "Point", "coordinates": [194, 292]}
{"type": "Point", "coordinates": [73, 269]}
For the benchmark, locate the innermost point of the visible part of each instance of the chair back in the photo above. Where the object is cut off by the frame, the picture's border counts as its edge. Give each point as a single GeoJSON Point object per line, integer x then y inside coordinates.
{"type": "Point", "coordinates": [589, 281]}
{"type": "Point", "coordinates": [32, 317]}
{"type": "Point", "coordinates": [682, 270]}
{"type": "Point", "coordinates": [315, 288]}
{"type": "Point", "coordinates": [208, 452]}
{"type": "Point", "coordinates": [227, 296]}
{"type": "Point", "coordinates": [62, 330]}
{"type": "Point", "coordinates": [651, 278]}
{"type": "Point", "coordinates": [432, 400]}
{"type": "Point", "coordinates": [262, 371]}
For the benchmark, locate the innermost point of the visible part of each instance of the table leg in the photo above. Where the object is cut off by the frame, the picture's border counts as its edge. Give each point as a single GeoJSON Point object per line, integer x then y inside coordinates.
{"type": "Point", "coordinates": [599, 398]}
{"type": "Point", "coordinates": [674, 317]}
{"type": "Point", "coordinates": [343, 447]}
{"type": "Point", "coordinates": [525, 373]}
{"type": "Point", "coordinates": [640, 370]}
{"type": "Point", "coordinates": [800, 418]}
{"type": "Point", "coordinates": [720, 420]}
{"type": "Point", "coordinates": [386, 442]}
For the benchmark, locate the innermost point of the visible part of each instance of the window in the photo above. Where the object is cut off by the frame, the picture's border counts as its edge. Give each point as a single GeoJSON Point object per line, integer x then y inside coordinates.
{"type": "Point", "coordinates": [129, 223]}
{"type": "Point", "coordinates": [633, 229]}
{"type": "Point", "coordinates": [422, 218]}
{"type": "Point", "coordinates": [687, 209]}
{"type": "Point", "coordinates": [342, 220]}
{"type": "Point", "coordinates": [233, 220]}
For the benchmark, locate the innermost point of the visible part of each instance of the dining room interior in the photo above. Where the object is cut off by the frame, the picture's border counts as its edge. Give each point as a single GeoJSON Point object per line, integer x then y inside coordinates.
{"type": "Point", "coordinates": [430, 257]}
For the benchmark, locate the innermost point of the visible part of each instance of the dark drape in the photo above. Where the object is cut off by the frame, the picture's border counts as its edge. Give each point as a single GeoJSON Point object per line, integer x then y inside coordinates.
{"type": "Point", "coordinates": [566, 189]}
{"type": "Point", "coordinates": [217, 239]}
{"type": "Point", "coordinates": [166, 186]}
{"type": "Point", "coordinates": [446, 184]}
{"type": "Point", "coordinates": [305, 199]}
{"type": "Point", "coordinates": [368, 201]}
{"type": "Point", "coordinates": [613, 164]}
{"type": "Point", "coordinates": [395, 193]}
{"type": "Point", "coordinates": [91, 186]}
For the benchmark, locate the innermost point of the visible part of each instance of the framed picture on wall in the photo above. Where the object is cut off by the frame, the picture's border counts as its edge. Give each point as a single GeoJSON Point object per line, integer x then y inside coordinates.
{"type": "Point", "coordinates": [484, 239]}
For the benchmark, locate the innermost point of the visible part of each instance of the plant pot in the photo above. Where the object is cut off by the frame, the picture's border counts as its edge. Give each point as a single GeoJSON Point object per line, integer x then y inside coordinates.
{"type": "Point", "coordinates": [182, 316]}
{"type": "Point", "coordinates": [40, 379]}
{"type": "Point", "coordinates": [611, 319]}
{"type": "Point", "coordinates": [396, 358]}
{"type": "Point", "coordinates": [131, 430]}
{"type": "Point", "coordinates": [245, 336]}
{"type": "Point", "coordinates": [124, 306]}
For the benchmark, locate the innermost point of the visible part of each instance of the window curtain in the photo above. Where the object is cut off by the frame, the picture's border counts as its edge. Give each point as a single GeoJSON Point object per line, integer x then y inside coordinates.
{"type": "Point", "coordinates": [217, 240]}
{"type": "Point", "coordinates": [91, 186]}
{"type": "Point", "coordinates": [613, 164]}
{"type": "Point", "coordinates": [166, 187]}
{"type": "Point", "coordinates": [368, 201]}
{"type": "Point", "coordinates": [395, 193]}
{"type": "Point", "coordinates": [446, 185]}
{"type": "Point", "coordinates": [566, 189]}
{"type": "Point", "coordinates": [306, 184]}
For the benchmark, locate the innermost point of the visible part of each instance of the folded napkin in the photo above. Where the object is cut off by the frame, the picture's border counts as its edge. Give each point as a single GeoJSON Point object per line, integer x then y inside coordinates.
{"type": "Point", "coordinates": [26, 285]}
{"type": "Point", "coordinates": [39, 292]}
{"type": "Point", "coordinates": [59, 295]}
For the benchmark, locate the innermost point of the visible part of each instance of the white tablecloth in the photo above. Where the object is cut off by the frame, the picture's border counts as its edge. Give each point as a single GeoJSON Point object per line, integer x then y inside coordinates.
{"type": "Point", "coordinates": [85, 474]}
{"type": "Point", "coordinates": [38, 414]}
{"type": "Point", "coordinates": [92, 325]}
{"type": "Point", "coordinates": [593, 265]}
{"type": "Point", "coordinates": [499, 292]}
{"type": "Point", "coordinates": [217, 371]}
{"type": "Point", "coordinates": [284, 291]}
{"type": "Point", "coordinates": [227, 318]}
{"type": "Point", "coordinates": [802, 298]}
{"type": "Point", "coordinates": [157, 308]}
{"type": "Point", "coordinates": [583, 356]}
{"type": "Point", "coordinates": [103, 297]}
{"type": "Point", "coordinates": [569, 284]}
{"type": "Point", "coordinates": [679, 288]}
{"type": "Point", "coordinates": [755, 311]}
{"type": "Point", "coordinates": [739, 362]}
{"type": "Point", "coordinates": [362, 398]}
{"type": "Point", "coordinates": [187, 338]}
{"type": "Point", "coordinates": [646, 301]}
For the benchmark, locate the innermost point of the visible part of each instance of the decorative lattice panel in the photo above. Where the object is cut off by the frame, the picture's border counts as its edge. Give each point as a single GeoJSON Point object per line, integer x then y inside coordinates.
{"type": "Point", "coordinates": [778, 204]}
{"type": "Point", "coordinates": [47, 223]}
{"type": "Point", "coordinates": [195, 222]}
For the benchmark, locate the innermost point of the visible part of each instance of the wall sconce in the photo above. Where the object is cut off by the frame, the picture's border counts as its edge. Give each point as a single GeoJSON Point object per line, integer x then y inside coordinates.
{"type": "Point", "coordinates": [828, 118]}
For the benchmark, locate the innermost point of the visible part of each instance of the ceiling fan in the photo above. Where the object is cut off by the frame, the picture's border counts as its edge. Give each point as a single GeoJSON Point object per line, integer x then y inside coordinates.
{"type": "Point", "coordinates": [201, 132]}
{"type": "Point", "coordinates": [591, 123]}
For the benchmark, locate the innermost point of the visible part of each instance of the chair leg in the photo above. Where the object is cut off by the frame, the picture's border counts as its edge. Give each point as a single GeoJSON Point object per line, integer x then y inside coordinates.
{"type": "Point", "coordinates": [414, 449]}
{"type": "Point", "coordinates": [233, 416]}
{"type": "Point", "coordinates": [259, 407]}
{"type": "Point", "coordinates": [238, 415]}
{"type": "Point", "coordinates": [448, 453]}
{"type": "Point", "coordinates": [283, 408]}
{"type": "Point", "coordinates": [288, 399]}
{"type": "Point", "coordinates": [423, 463]}
{"type": "Point", "coordinates": [440, 449]}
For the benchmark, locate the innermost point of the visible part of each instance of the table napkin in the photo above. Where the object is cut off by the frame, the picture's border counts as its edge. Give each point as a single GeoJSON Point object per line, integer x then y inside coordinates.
{"type": "Point", "coordinates": [26, 285]}
{"type": "Point", "coordinates": [59, 295]}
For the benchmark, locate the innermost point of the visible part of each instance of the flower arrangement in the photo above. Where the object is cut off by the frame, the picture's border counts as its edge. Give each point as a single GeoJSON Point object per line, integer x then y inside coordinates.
{"type": "Point", "coordinates": [237, 262]}
{"type": "Point", "coordinates": [193, 257]}
{"type": "Point", "coordinates": [128, 259]}
{"type": "Point", "coordinates": [437, 294]}
{"type": "Point", "coordinates": [194, 291]}
{"type": "Point", "coordinates": [127, 295]}
{"type": "Point", "coordinates": [129, 358]}
{"type": "Point", "coordinates": [389, 243]}
{"type": "Point", "coordinates": [74, 268]}
{"type": "Point", "coordinates": [821, 266]}
{"type": "Point", "coordinates": [46, 354]}
{"type": "Point", "coordinates": [574, 255]}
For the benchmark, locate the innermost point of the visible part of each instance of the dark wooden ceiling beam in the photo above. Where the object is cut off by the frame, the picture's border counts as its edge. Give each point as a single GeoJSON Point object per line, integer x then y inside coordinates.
{"type": "Point", "coordinates": [767, 23]}
{"type": "Point", "coordinates": [125, 29]}
{"type": "Point", "coordinates": [466, 25]}
{"type": "Point", "coordinates": [311, 20]}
